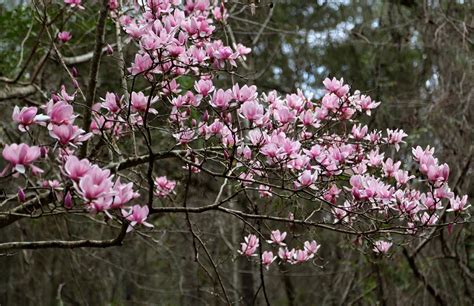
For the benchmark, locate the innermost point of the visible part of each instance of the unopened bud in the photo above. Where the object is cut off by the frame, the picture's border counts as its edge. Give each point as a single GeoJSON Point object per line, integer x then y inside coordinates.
{"type": "Point", "coordinates": [21, 195]}
{"type": "Point", "coordinates": [74, 72]}
{"type": "Point", "coordinates": [68, 200]}
{"type": "Point", "coordinates": [109, 50]}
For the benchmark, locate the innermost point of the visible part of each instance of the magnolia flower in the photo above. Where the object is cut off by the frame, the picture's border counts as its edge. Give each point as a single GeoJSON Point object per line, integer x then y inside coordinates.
{"type": "Point", "coordinates": [277, 238]}
{"type": "Point", "coordinates": [458, 204]}
{"type": "Point", "coordinates": [140, 103]}
{"type": "Point", "coordinates": [69, 134]}
{"type": "Point", "coordinates": [64, 36]}
{"type": "Point", "coordinates": [164, 186]}
{"type": "Point", "coordinates": [336, 86]}
{"type": "Point", "coordinates": [26, 117]}
{"type": "Point", "coordinates": [249, 247]}
{"type": "Point", "coordinates": [21, 156]}
{"type": "Point", "coordinates": [123, 193]}
{"type": "Point", "coordinates": [75, 168]}
{"type": "Point", "coordinates": [252, 111]}
{"type": "Point", "coordinates": [267, 258]}
{"type": "Point", "coordinates": [136, 215]}
{"type": "Point", "coordinates": [311, 248]}
{"type": "Point", "coordinates": [286, 255]}
{"type": "Point", "coordinates": [95, 184]}
{"type": "Point", "coordinates": [381, 246]}
{"type": "Point", "coordinates": [74, 3]}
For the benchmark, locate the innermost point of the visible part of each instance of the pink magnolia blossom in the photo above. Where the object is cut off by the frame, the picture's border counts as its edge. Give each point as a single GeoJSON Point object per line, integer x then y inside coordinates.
{"type": "Point", "coordinates": [458, 204]}
{"type": "Point", "coordinates": [136, 215]}
{"type": "Point", "coordinates": [69, 134]}
{"type": "Point", "coordinates": [95, 184]}
{"type": "Point", "coordinates": [64, 36]}
{"type": "Point", "coordinates": [286, 255]}
{"type": "Point", "coordinates": [164, 186]}
{"type": "Point", "coordinates": [252, 111]}
{"type": "Point", "coordinates": [111, 102]}
{"type": "Point", "coordinates": [74, 3]}
{"type": "Point", "coordinates": [277, 238]}
{"type": "Point", "coordinates": [395, 137]}
{"type": "Point", "coordinates": [68, 202]}
{"type": "Point", "coordinates": [21, 156]}
{"type": "Point", "coordinates": [300, 256]}
{"type": "Point", "coordinates": [139, 103]}
{"type": "Point", "coordinates": [204, 87]}
{"type": "Point", "coordinates": [311, 248]}
{"type": "Point", "coordinates": [249, 247]}
{"type": "Point", "coordinates": [123, 193]}
{"type": "Point", "coordinates": [336, 86]}
{"type": "Point", "coordinates": [26, 117]}
{"type": "Point", "coordinates": [75, 168]}
{"type": "Point", "coordinates": [267, 258]}
{"type": "Point", "coordinates": [221, 99]}
{"type": "Point", "coordinates": [381, 246]}
{"type": "Point", "coordinates": [60, 113]}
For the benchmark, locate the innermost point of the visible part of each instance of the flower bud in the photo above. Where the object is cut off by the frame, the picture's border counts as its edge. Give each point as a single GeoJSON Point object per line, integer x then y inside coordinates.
{"type": "Point", "coordinates": [68, 200]}
{"type": "Point", "coordinates": [109, 50]}
{"type": "Point", "coordinates": [74, 72]}
{"type": "Point", "coordinates": [21, 195]}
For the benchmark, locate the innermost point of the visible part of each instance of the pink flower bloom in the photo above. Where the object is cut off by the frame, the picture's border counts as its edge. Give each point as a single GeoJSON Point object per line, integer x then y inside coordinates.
{"type": "Point", "coordinates": [21, 156]}
{"type": "Point", "coordinates": [111, 103]}
{"type": "Point", "coordinates": [204, 87]}
{"type": "Point", "coordinates": [139, 103]}
{"type": "Point", "coordinates": [458, 204]}
{"type": "Point", "coordinates": [249, 247]}
{"type": "Point", "coordinates": [402, 177]}
{"type": "Point", "coordinates": [221, 99]}
{"type": "Point", "coordinates": [311, 248]}
{"type": "Point", "coordinates": [286, 255]}
{"type": "Point", "coordinates": [136, 215]}
{"type": "Point", "coordinates": [164, 186]}
{"type": "Point", "coordinates": [267, 258]}
{"type": "Point", "coordinates": [395, 137]}
{"type": "Point", "coordinates": [123, 193]}
{"type": "Point", "coordinates": [300, 256]}
{"type": "Point", "coordinates": [336, 86]}
{"type": "Point", "coordinates": [306, 179]}
{"type": "Point", "coordinates": [359, 132]}
{"type": "Point", "coordinates": [252, 111]}
{"type": "Point", "coordinates": [74, 3]}
{"type": "Point", "coordinates": [277, 238]}
{"type": "Point", "coordinates": [26, 117]}
{"type": "Point", "coordinates": [381, 246]}
{"type": "Point", "coordinates": [75, 168]}
{"type": "Point", "coordinates": [142, 63]}
{"type": "Point", "coordinates": [60, 113]}
{"type": "Point", "coordinates": [69, 134]}
{"type": "Point", "coordinates": [185, 136]}
{"type": "Point", "coordinates": [264, 191]}
{"type": "Point", "coordinates": [113, 5]}
{"type": "Point", "coordinates": [96, 183]}
{"type": "Point", "coordinates": [64, 36]}
{"type": "Point", "coordinates": [244, 94]}
{"type": "Point", "coordinates": [390, 168]}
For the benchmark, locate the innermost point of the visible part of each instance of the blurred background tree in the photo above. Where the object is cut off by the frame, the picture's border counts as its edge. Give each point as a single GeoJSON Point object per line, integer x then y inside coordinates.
{"type": "Point", "coordinates": [414, 56]}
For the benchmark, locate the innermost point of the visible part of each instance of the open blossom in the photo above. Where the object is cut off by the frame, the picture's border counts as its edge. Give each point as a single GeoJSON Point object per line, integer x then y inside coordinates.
{"type": "Point", "coordinates": [74, 3]}
{"type": "Point", "coordinates": [221, 99]}
{"type": "Point", "coordinates": [123, 193]}
{"type": "Point", "coordinates": [265, 191]}
{"type": "Point", "coordinates": [306, 179]}
{"type": "Point", "coordinates": [111, 103]}
{"type": "Point", "coordinates": [249, 247]}
{"type": "Point", "coordinates": [277, 238]}
{"type": "Point", "coordinates": [336, 86]}
{"type": "Point", "coordinates": [204, 87]}
{"type": "Point", "coordinates": [395, 137]}
{"type": "Point", "coordinates": [60, 113]}
{"type": "Point", "coordinates": [286, 255]}
{"type": "Point", "coordinates": [267, 258]}
{"type": "Point", "coordinates": [21, 156]}
{"type": "Point", "coordinates": [137, 215]}
{"type": "Point", "coordinates": [311, 248]}
{"type": "Point", "coordinates": [164, 186]}
{"type": "Point", "coordinates": [300, 256]}
{"type": "Point", "coordinates": [252, 111]}
{"type": "Point", "coordinates": [75, 168]}
{"type": "Point", "coordinates": [26, 117]}
{"type": "Point", "coordinates": [382, 246]}
{"type": "Point", "coordinates": [69, 134]}
{"type": "Point", "coordinates": [64, 36]}
{"type": "Point", "coordinates": [95, 184]}
{"type": "Point", "coordinates": [142, 63]}
{"type": "Point", "coordinates": [458, 203]}
{"type": "Point", "coordinates": [139, 103]}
